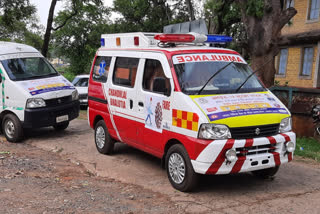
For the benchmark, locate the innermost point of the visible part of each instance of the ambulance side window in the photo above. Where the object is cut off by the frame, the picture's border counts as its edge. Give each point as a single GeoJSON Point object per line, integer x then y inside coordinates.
{"type": "Point", "coordinates": [125, 71]}
{"type": "Point", "coordinates": [101, 69]}
{"type": "Point", "coordinates": [153, 75]}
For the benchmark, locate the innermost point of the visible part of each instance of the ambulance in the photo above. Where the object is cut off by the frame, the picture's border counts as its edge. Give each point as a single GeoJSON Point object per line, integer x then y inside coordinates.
{"type": "Point", "coordinates": [33, 93]}
{"type": "Point", "coordinates": [198, 108]}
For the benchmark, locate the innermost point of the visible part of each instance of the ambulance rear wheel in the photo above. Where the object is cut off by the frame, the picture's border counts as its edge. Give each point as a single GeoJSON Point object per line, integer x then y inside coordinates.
{"type": "Point", "coordinates": [102, 138]}
{"type": "Point", "coordinates": [266, 173]}
{"type": "Point", "coordinates": [179, 169]}
{"type": "Point", "coordinates": [12, 128]}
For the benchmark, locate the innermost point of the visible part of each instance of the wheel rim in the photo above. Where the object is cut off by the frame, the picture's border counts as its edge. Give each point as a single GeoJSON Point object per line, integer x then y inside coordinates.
{"type": "Point", "coordinates": [177, 168]}
{"type": "Point", "coordinates": [100, 137]}
{"type": "Point", "coordinates": [9, 128]}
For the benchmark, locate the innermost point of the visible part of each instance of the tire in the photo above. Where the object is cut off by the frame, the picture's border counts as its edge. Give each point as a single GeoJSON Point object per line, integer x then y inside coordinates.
{"type": "Point", "coordinates": [178, 156]}
{"type": "Point", "coordinates": [61, 126]}
{"type": "Point", "coordinates": [266, 173]}
{"type": "Point", "coordinates": [12, 128]}
{"type": "Point", "coordinates": [102, 138]}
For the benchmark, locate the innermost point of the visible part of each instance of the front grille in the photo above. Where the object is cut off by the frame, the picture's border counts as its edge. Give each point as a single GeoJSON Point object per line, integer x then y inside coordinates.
{"type": "Point", "coordinates": [254, 131]}
{"type": "Point", "coordinates": [254, 150]}
{"type": "Point", "coordinates": [58, 101]}
{"type": "Point", "coordinates": [83, 96]}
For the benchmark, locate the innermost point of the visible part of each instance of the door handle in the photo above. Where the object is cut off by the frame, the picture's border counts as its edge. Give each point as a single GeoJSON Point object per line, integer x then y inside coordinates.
{"type": "Point", "coordinates": [140, 104]}
{"type": "Point", "coordinates": [131, 104]}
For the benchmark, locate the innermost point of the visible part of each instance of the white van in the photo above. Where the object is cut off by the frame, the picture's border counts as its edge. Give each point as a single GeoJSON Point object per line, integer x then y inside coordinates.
{"type": "Point", "coordinates": [33, 93]}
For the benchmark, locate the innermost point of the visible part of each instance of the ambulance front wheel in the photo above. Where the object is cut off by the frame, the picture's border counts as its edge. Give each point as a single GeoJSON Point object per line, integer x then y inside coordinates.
{"type": "Point", "coordinates": [103, 140]}
{"type": "Point", "coordinates": [12, 128]}
{"type": "Point", "coordinates": [179, 169]}
{"type": "Point", "coordinates": [266, 173]}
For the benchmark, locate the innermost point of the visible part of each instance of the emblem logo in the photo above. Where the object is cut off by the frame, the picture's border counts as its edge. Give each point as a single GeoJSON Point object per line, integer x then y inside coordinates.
{"type": "Point", "coordinates": [59, 101]}
{"type": "Point", "coordinates": [257, 131]}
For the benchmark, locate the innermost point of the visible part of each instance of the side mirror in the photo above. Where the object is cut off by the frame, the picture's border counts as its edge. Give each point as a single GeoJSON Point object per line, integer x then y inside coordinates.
{"type": "Point", "coordinates": [159, 85]}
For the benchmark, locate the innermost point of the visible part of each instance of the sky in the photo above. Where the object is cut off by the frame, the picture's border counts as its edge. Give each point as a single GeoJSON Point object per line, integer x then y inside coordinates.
{"type": "Point", "coordinates": [44, 5]}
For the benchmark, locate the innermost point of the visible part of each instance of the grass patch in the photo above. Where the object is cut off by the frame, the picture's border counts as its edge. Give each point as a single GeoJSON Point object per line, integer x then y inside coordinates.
{"type": "Point", "coordinates": [83, 115]}
{"type": "Point", "coordinates": [309, 148]}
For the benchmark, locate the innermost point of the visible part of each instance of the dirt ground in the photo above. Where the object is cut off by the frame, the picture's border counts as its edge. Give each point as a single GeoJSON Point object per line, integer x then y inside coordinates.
{"type": "Point", "coordinates": [36, 181]}
{"type": "Point", "coordinates": [62, 172]}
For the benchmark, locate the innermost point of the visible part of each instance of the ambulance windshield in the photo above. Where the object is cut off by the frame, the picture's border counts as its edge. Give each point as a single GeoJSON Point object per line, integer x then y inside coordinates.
{"type": "Point", "coordinates": [28, 68]}
{"type": "Point", "coordinates": [194, 71]}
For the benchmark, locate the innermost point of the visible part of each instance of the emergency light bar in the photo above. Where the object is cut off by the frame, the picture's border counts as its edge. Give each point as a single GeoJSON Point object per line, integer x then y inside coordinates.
{"type": "Point", "coordinates": [192, 38]}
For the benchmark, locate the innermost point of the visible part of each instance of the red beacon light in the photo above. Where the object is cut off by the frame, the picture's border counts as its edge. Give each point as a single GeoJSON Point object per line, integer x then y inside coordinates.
{"type": "Point", "coordinates": [171, 38]}
{"type": "Point", "coordinates": [192, 38]}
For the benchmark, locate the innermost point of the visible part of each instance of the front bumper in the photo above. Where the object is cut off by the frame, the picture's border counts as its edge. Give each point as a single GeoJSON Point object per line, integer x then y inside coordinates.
{"type": "Point", "coordinates": [44, 117]}
{"type": "Point", "coordinates": [212, 159]}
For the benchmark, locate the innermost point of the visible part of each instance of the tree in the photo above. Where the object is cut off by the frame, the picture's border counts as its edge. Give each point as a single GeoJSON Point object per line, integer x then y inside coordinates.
{"type": "Point", "coordinates": [262, 21]}
{"type": "Point", "coordinates": [49, 28]}
{"type": "Point", "coordinates": [141, 15]}
{"type": "Point", "coordinates": [79, 39]}
{"type": "Point", "coordinates": [15, 16]}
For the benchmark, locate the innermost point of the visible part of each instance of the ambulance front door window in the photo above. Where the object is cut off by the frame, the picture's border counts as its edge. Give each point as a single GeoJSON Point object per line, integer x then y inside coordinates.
{"type": "Point", "coordinates": [154, 79]}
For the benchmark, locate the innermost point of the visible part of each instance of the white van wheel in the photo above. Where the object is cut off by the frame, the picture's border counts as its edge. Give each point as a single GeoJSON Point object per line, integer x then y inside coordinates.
{"type": "Point", "coordinates": [12, 128]}
{"type": "Point", "coordinates": [179, 169]}
{"type": "Point", "coordinates": [102, 138]}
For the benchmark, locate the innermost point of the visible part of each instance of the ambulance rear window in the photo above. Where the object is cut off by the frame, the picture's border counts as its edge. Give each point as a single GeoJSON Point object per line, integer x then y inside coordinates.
{"type": "Point", "coordinates": [101, 69]}
{"type": "Point", "coordinates": [125, 71]}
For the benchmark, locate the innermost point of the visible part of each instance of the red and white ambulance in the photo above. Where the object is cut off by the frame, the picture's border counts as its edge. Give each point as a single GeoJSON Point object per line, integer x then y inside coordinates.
{"type": "Point", "coordinates": [196, 107]}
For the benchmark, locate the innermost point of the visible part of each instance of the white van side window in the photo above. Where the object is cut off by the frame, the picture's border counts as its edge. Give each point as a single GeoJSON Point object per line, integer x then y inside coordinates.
{"type": "Point", "coordinates": [152, 71]}
{"type": "Point", "coordinates": [101, 69]}
{"type": "Point", "coordinates": [125, 71]}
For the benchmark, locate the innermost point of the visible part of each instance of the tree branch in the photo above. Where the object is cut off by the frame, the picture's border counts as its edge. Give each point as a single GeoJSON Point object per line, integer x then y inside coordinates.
{"type": "Point", "coordinates": [66, 20]}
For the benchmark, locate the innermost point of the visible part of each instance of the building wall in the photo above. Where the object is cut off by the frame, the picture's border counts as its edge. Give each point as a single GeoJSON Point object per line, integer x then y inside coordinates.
{"type": "Point", "coordinates": [299, 21]}
{"type": "Point", "coordinates": [294, 63]}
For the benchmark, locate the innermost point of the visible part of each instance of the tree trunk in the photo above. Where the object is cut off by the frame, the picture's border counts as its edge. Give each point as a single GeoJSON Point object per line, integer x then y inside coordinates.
{"type": "Point", "coordinates": [190, 9]}
{"type": "Point", "coordinates": [265, 65]}
{"type": "Point", "coordinates": [263, 35]}
{"type": "Point", "coordinates": [47, 35]}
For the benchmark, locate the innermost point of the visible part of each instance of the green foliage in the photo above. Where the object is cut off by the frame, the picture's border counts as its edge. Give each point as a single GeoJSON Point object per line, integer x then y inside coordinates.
{"type": "Point", "coordinates": [79, 39]}
{"type": "Point", "coordinates": [255, 8]}
{"type": "Point", "coordinates": [67, 74]}
{"type": "Point", "coordinates": [141, 15]}
{"type": "Point", "coordinates": [14, 18]}
{"type": "Point", "coordinates": [18, 23]}
{"type": "Point", "coordinates": [277, 83]}
{"type": "Point", "coordinates": [309, 148]}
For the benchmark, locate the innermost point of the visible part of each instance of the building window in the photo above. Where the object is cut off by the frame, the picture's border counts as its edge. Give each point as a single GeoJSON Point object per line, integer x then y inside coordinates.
{"type": "Point", "coordinates": [289, 3]}
{"type": "Point", "coordinates": [307, 59]}
{"type": "Point", "coordinates": [283, 61]}
{"type": "Point", "coordinates": [314, 6]}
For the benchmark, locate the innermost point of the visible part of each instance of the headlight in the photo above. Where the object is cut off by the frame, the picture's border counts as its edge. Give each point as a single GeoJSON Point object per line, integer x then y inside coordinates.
{"type": "Point", "coordinates": [290, 146]}
{"type": "Point", "coordinates": [285, 125]}
{"type": "Point", "coordinates": [75, 95]}
{"type": "Point", "coordinates": [214, 131]}
{"type": "Point", "coordinates": [35, 103]}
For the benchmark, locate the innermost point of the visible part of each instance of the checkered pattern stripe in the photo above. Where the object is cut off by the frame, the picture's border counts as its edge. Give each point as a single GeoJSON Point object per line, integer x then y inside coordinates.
{"type": "Point", "coordinates": [184, 119]}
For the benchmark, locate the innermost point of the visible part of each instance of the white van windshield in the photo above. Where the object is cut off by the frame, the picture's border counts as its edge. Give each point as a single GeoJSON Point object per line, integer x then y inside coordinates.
{"type": "Point", "coordinates": [28, 68]}
{"type": "Point", "coordinates": [195, 70]}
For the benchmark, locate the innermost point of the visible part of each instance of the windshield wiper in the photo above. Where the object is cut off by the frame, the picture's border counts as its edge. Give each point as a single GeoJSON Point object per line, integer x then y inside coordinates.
{"type": "Point", "coordinates": [215, 74]}
{"type": "Point", "coordinates": [248, 77]}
